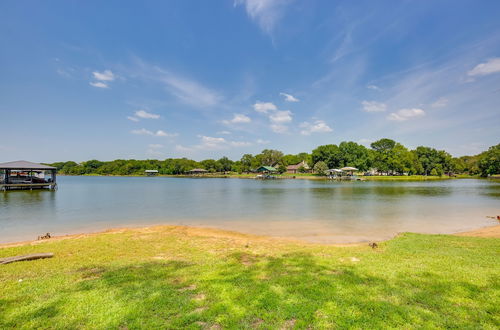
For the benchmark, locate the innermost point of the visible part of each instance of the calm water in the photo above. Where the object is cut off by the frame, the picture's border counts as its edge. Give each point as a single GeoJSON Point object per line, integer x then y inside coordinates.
{"type": "Point", "coordinates": [320, 211]}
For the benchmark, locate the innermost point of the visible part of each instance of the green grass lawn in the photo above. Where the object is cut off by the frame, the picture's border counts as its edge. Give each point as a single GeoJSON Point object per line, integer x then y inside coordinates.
{"type": "Point", "coordinates": [174, 278]}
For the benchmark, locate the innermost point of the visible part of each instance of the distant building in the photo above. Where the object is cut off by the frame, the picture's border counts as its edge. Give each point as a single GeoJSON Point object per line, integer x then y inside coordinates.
{"type": "Point", "coordinates": [294, 169]}
{"type": "Point", "coordinates": [151, 172]}
{"type": "Point", "coordinates": [266, 169]}
{"type": "Point", "coordinates": [197, 171]}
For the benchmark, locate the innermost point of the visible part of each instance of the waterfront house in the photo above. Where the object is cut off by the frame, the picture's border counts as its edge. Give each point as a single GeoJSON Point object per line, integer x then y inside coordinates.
{"type": "Point", "coordinates": [151, 172]}
{"type": "Point", "coordinates": [266, 169]}
{"type": "Point", "coordinates": [27, 175]}
{"type": "Point", "coordinates": [294, 169]}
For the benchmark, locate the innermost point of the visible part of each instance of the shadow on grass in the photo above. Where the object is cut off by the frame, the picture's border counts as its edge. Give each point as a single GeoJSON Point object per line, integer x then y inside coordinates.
{"type": "Point", "coordinates": [256, 291]}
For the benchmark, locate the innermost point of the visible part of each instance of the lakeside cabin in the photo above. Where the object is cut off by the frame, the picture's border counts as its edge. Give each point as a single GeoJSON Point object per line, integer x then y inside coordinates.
{"type": "Point", "coordinates": [294, 169]}
{"type": "Point", "coordinates": [27, 175]}
{"type": "Point", "coordinates": [151, 172]}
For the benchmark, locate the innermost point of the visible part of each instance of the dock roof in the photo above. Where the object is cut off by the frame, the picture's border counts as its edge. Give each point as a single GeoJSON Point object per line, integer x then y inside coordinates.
{"type": "Point", "coordinates": [24, 165]}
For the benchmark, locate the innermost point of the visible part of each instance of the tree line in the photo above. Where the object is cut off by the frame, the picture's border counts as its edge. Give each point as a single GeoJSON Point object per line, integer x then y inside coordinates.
{"type": "Point", "coordinates": [384, 156]}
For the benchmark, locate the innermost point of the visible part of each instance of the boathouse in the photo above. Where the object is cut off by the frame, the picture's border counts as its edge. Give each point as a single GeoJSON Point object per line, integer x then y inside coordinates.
{"type": "Point", "coordinates": [197, 171]}
{"type": "Point", "coordinates": [151, 172]}
{"type": "Point", "coordinates": [266, 169]}
{"type": "Point", "coordinates": [27, 175]}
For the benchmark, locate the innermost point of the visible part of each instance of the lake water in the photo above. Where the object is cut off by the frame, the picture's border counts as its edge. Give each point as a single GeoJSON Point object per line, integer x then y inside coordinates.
{"type": "Point", "coordinates": [312, 210]}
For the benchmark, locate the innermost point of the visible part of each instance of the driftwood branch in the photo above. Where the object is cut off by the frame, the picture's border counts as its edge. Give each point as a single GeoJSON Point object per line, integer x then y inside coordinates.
{"type": "Point", "coordinates": [25, 257]}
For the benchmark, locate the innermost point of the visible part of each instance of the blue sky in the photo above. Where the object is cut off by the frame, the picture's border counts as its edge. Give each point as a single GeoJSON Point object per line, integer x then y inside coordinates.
{"type": "Point", "coordinates": [202, 79]}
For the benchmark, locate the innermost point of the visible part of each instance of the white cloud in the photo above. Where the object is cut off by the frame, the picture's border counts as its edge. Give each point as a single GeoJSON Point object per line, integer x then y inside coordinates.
{"type": "Point", "coordinates": [373, 106]}
{"type": "Point", "coordinates": [289, 98]}
{"type": "Point", "coordinates": [146, 115]}
{"type": "Point", "coordinates": [218, 143]}
{"type": "Point", "coordinates": [264, 107]}
{"type": "Point", "coordinates": [265, 13]}
{"type": "Point", "coordinates": [319, 126]}
{"type": "Point", "coordinates": [490, 66]}
{"type": "Point", "coordinates": [142, 131]}
{"type": "Point", "coordinates": [163, 133]}
{"type": "Point", "coordinates": [276, 128]}
{"type": "Point", "coordinates": [281, 116]}
{"type": "Point", "coordinates": [223, 133]}
{"type": "Point", "coordinates": [440, 103]}
{"type": "Point", "coordinates": [276, 117]}
{"type": "Point", "coordinates": [375, 88]}
{"type": "Point", "coordinates": [98, 84]}
{"type": "Point", "coordinates": [158, 133]}
{"type": "Point", "coordinates": [261, 141]}
{"type": "Point", "coordinates": [106, 75]}
{"type": "Point", "coordinates": [405, 114]}
{"type": "Point", "coordinates": [132, 118]}
{"type": "Point", "coordinates": [237, 119]}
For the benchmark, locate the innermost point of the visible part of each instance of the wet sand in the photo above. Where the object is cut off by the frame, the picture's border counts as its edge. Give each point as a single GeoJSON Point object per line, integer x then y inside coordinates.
{"type": "Point", "coordinates": [487, 232]}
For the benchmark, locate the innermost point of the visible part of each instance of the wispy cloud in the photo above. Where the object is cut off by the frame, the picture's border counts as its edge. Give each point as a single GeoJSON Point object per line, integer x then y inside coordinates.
{"type": "Point", "coordinates": [277, 117]}
{"type": "Point", "coordinates": [213, 143]}
{"type": "Point", "coordinates": [158, 133]}
{"type": "Point", "coordinates": [281, 116]}
{"type": "Point", "coordinates": [374, 87]}
{"type": "Point", "coordinates": [237, 119]}
{"type": "Point", "coordinates": [289, 98]}
{"type": "Point", "coordinates": [98, 84]}
{"type": "Point", "coordinates": [406, 114]}
{"type": "Point", "coordinates": [264, 107]}
{"type": "Point", "coordinates": [187, 90]}
{"type": "Point", "coordinates": [106, 75]}
{"type": "Point", "coordinates": [490, 66]}
{"type": "Point", "coordinates": [318, 126]}
{"type": "Point", "coordinates": [440, 103]}
{"type": "Point", "coordinates": [373, 106]}
{"type": "Point", "coordinates": [266, 13]}
{"type": "Point", "coordinates": [146, 115]}
{"type": "Point", "coordinates": [131, 118]}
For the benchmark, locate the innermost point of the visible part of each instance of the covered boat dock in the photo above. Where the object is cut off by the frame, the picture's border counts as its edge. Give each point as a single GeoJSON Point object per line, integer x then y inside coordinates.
{"type": "Point", "coordinates": [27, 175]}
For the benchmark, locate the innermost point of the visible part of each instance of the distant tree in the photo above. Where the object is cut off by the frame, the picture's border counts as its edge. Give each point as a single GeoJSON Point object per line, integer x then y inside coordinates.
{"type": "Point", "coordinates": [302, 169]}
{"type": "Point", "coordinates": [246, 162]}
{"type": "Point", "coordinates": [329, 154]}
{"type": "Point", "coordinates": [382, 150]}
{"type": "Point", "coordinates": [225, 164]}
{"type": "Point", "coordinates": [270, 157]}
{"type": "Point", "coordinates": [434, 172]}
{"type": "Point", "coordinates": [489, 161]}
{"type": "Point", "coordinates": [320, 168]}
{"type": "Point", "coordinates": [354, 155]}
{"type": "Point", "coordinates": [282, 168]}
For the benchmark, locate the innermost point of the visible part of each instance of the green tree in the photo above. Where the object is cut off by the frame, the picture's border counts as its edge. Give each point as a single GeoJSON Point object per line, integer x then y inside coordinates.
{"type": "Point", "coordinates": [329, 154]}
{"type": "Point", "coordinates": [489, 161]}
{"type": "Point", "coordinates": [269, 157]}
{"type": "Point", "coordinates": [225, 164]}
{"type": "Point", "coordinates": [354, 155]}
{"type": "Point", "coordinates": [247, 162]}
{"type": "Point", "coordinates": [320, 168]}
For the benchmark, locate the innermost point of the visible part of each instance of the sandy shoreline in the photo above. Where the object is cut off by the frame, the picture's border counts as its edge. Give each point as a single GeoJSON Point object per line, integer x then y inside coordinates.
{"type": "Point", "coordinates": [486, 232]}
